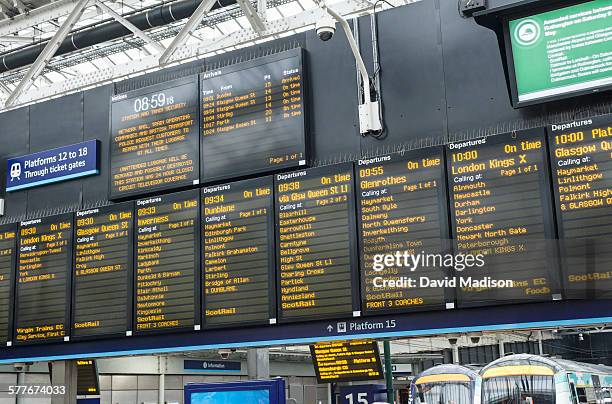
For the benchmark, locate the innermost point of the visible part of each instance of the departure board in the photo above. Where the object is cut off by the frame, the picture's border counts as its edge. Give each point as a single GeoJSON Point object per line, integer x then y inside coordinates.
{"type": "Point", "coordinates": [346, 361]}
{"type": "Point", "coordinates": [154, 139]}
{"type": "Point", "coordinates": [167, 261]}
{"type": "Point", "coordinates": [253, 117]}
{"type": "Point", "coordinates": [238, 253]}
{"type": "Point", "coordinates": [402, 206]}
{"type": "Point", "coordinates": [8, 254]}
{"type": "Point", "coordinates": [501, 208]}
{"type": "Point", "coordinates": [88, 383]}
{"type": "Point", "coordinates": [42, 293]}
{"type": "Point", "coordinates": [102, 271]}
{"type": "Point", "coordinates": [315, 240]}
{"type": "Point", "coordinates": [581, 161]}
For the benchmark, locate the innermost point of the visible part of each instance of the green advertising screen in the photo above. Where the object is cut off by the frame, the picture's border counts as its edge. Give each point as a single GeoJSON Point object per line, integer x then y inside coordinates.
{"type": "Point", "coordinates": [562, 52]}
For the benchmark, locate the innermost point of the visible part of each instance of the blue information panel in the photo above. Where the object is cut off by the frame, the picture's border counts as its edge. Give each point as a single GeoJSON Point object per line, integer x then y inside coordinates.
{"type": "Point", "coordinates": [251, 392]}
{"type": "Point", "coordinates": [63, 163]}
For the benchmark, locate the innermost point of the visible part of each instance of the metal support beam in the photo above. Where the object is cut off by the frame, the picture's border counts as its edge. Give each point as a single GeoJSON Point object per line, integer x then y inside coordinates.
{"type": "Point", "coordinates": [47, 53]}
{"type": "Point", "coordinates": [64, 373]}
{"type": "Point", "coordinates": [346, 8]}
{"type": "Point", "coordinates": [388, 370]}
{"type": "Point", "coordinates": [251, 15]}
{"type": "Point", "coordinates": [123, 21]}
{"type": "Point", "coordinates": [258, 363]}
{"type": "Point", "coordinates": [20, 6]}
{"type": "Point", "coordinates": [5, 89]}
{"type": "Point", "coordinates": [262, 9]}
{"type": "Point", "coordinates": [193, 22]}
{"type": "Point", "coordinates": [16, 39]}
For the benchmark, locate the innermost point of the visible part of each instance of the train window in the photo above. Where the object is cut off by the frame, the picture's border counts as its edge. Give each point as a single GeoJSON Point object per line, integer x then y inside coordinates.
{"type": "Point", "coordinates": [582, 395]}
{"type": "Point", "coordinates": [519, 390]}
{"type": "Point", "coordinates": [444, 393]}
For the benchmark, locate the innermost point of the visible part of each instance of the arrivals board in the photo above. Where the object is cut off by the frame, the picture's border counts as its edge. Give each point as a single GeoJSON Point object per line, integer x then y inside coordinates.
{"type": "Point", "coordinates": [42, 294]}
{"type": "Point", "coordinates": [154, 139]}
{"type": "Point", "coordinates": [167, 262]}
{"type": "Point", "coordinates": [102, 271]}
{"type": "Point", "coordinates": [501, 208]}
{"type": "Point", "coordinates": [8, 254]}
{"type": "Point", "coordinates": [315, 240]}
{"type": "Point", "coordinates": [253, 117]}
{"type": "Point", "coordinates": [238, 271]}
{"type": "Point", "coordinates": [346, 361]}
{"type": "Point", "coordinates": [402, 206]}
{"type": "Point", "coordinates": [582, 180]}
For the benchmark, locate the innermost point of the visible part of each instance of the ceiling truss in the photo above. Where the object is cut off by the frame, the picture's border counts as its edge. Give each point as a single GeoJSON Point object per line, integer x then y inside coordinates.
{"type": "Point", "coordinates": [206, 33]}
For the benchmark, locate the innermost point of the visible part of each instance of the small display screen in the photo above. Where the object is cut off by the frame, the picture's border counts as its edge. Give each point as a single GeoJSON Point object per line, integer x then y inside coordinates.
{"type": "Point", "coordinates": [560, 52]}
{"type": "Point", "coordinates": [582, 180]}
{"type": "Point", "coordinates": [232, 397]}
{"type": "Point", "coordinates": [167, 262]}
{"type": "Point", "coordinates": [102, 272]}
{"type": "Point", "coordinates": [316, 243]}
{"type": "Point", "coordinates": [346, 361]}
{"type": "Point", "coordinates": [42, 301]}
{"type": "Point", "coordinates": [8, 254]}
{"type": "Point", "coordinates": [253, 117]}
{"type": "Point", "coordinates": [501, 210]}
{"type": "Point", "coordinates": [154, 139]}
{"type": "Point", "coordinates": [238, 253]}
{"type": "Point", "coordinates": [402, 207]}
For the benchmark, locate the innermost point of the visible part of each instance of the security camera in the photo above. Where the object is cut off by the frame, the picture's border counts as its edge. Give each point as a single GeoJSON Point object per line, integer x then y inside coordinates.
{"type": "Point", "coordinates": [326, 27]}
{"type": "Point", "coordinates": [225, 353]}
{"type": "Point", "coordinates": [21, 367]}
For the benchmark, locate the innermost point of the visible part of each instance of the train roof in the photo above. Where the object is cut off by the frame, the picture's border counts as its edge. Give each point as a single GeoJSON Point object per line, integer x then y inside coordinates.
{"type": "Point", "coordinates": [446, 373]}
{"type": "Point", "coordinates": [539, 365]}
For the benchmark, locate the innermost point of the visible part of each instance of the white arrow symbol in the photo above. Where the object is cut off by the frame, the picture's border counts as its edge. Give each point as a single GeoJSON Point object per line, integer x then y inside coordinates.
{"type": "Point", "coordinates": [330, 328]}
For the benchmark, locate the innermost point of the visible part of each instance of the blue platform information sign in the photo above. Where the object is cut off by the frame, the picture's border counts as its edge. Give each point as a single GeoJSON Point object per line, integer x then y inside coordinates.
{"type": "Point", "coordinates": [45, 167]}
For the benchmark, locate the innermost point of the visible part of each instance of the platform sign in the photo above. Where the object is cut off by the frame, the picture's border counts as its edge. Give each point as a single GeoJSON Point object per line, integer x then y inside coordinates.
{"type": "Point", "coordinates": [45, 167]}
{"type": "Point", "coordinates": [167, 261]}
{"type": "Point", "coordinates": [102, 271]}
{"type": "Point", "coordinates": [154, 139]}
{"type": "Point", "coordinates": [253, 117]}
{"type": "Point", "coordinates": [501, 208]}
{"type": "Point", "coordinates": [582, 180]}
{"type": "Point", "coordinates": [402, 207]}
{"type": "Point", "coordinates": [8, 255]}
{"type": "Point", "coordinates": [347, 361]}
{"type": "Point", "coordinates": [238, 260]}
{"type": "Point", "coordinates": [316, 244]}
{"type": "Point", "coordinates": [42, 294]}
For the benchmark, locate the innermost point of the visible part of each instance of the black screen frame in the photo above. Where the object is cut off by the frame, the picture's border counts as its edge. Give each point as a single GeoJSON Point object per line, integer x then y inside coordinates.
{"type": "Point", "coordinates": [509, 56]}
{"type": "Point", "coordinates": [353, 244]}
{"type": "Point", "coordinates": [130, 274]}
{"type": "Point", "coordinates": [445, 230]}
{"type": "Point", "coordinates": [12, 283]}
{"type": "Point", "coordinates": [299, 53]}
{"type": "Point", "coordinates": [168, 198]}
{"type": "Point", "coordinates": [549, 220]}
{"type": "Point", "coordinates": [374, 345]}
{"type": "Point", "coordinates": [272, 287]}
{"type": "Point", "coordinates": [173, 187]}
{"type": "Point", "coordinates": [67, 289]}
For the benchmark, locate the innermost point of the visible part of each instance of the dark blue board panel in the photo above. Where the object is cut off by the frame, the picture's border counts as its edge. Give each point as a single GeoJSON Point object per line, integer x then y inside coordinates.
{"type": "Point", "coordinates": [553, 314]}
